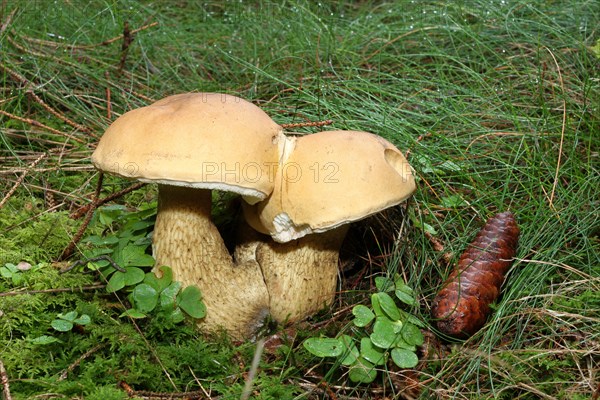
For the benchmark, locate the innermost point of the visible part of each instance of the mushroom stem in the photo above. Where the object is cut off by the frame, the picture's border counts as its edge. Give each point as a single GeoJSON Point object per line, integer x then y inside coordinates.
{"type": "Point", "coordinates": [186, 240]}
{"type": "Point", "coordinates": [301, 275]}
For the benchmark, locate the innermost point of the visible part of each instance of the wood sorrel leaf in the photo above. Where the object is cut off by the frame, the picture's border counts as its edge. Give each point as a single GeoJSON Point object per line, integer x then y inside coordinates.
{"type": "Point", "coordinates": [116, 282]}
{"type": "Point", "coordinates": [145, 297]}
{"type": "Point", "coordinates": [62, 325]}
{"type": "Point", "coordinates": [362, 315]}
{"type": "Point", "coordinates": [166, 277]}
{"type": "Point", "coordinates": [404, 293]}
{"type": "Point", "coordinates": [362, 371]}
{"type": "Point", "coordinates": [383, 333]}
{"type": "Point", "coordinates": [168, 296]}
{"type": "Point", "coordinates": [350, 353]}
{"type": "Point", "coordinates": [404, 358]}
{"type": "Point", "coordinates": [412, 334]}
{"type": "Point", "coordinates": [384, 284]}
{"type": "Point", "coordinates": [190, 301]}
{"type": "Point", "coordinates": [324, 347]}
{"type": "Point", "coordinates": [371, 353]}
{"type": "Point", "coordinates": [388, 305]}
{"type": "Point", "coordinates": [376, 306]}
{"type": "Point", "coordinates": [133, 276]}
{"type": "Point", "coordinates": [84, 319]}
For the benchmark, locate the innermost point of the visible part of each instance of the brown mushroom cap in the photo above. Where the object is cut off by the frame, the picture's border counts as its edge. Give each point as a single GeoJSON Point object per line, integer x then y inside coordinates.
{"type": "Point", "coordinates": [200, 140]}
{"type": "Point", "coordinates": [330, 179]}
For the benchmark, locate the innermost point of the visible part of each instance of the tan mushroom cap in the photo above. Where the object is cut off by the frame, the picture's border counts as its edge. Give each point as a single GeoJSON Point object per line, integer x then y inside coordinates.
{"type": "Point", "coordinates": [200, 140]}
{"type": "Point", "coordinates": [330, 179]}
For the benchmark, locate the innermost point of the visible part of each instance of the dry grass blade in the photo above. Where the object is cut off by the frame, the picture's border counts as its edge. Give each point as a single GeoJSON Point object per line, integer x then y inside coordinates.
{"type": "Point", "coordinates": [562, 131]}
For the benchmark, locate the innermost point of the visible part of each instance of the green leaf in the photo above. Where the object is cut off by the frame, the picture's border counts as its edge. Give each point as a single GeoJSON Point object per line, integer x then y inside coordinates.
{"type": "Point", "coordinates": [384, 284]}
{"type": "Point", "coordinates": [133, 255]}
{"type": "Point", "coordinates": [106, 215]}
{"type": "Point", "coordinates": [6, 271]}
{"type": "Point", "coordinates": [84, 319]}
{"type": "Point", "coordinates": [169, 295]}
{"type": "Point", "coordinates": [450, 166]}
{"type": "Point", "coordinates": [324, 347]}
{"type": "Point", "coordinates": [44, 339]}
{"type": "Point", "coordinates": [404, 358]}
{"type": "Point", "coordinates": [133, 276]}
{"type": "Point", "coordinates": [404, 293]}
{"type": "Point", "coordinates": [362, 371]}
{"type": "Point", "coordinates": [383, 334]}
{"type": "Point", "coordinates": [17, 278]}
{"type": "Point", "coordinates": [176, 316]}
{"type": "Point", "coordinates": [140, 225]}
{"type": "Point", "coordinates": [62, 325]}
{"type": "Point", "coordinates": [190, 301]}
{"type": "Point", "coordinates": [596, 48]}
{"type": "Point", "coordinates": [11, 267]}
{"type": "Point", "coordinates": [152, 280]}
{"type": "Point", "coordinates": [166, 278]}
{"type": "Point", "coordinates": [143, 260]}
{"type": "Point", "coordinates": [371, 353]}
{"type": "Point", "coordinates": [70, 316]}
{"type": "Point", "coordinates": [412, 334]}
{"type": "Point", "coordinates": [412, 319]}
{"type": "Point", "coordinates": [116, 282]}
{"type": "Point", "coordinates": [388, 305]}
{"type": "Point", "coordinates": [397, 326]}
{"type": "Point", "coordinates": [145, 297]}
{"type": "Point", "coordinates": [362, 315]}
{"type": "Point", "coordinates": [376, 306]}
{"type": "Point", "coordinates": [400, 343]}
{"type": "Point", "coordinates": [425, 226]}
{"type": "Point", "coordinates": [133, 313]}
{"type": "Point", "coordinates": [350, 353]}
{"type": "Point", "coordinates": [452, 201]}
{"type": "Point", "coordinates": [101, 241]}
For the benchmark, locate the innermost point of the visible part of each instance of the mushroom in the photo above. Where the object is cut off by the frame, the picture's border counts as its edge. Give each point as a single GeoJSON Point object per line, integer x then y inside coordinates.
{"type": "Point", "coordinates": [324, 182]}
{"type": "Point", "coordinates": [190, 144]}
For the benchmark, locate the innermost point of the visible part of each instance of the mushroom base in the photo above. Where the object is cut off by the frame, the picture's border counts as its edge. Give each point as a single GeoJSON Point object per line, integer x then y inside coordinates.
{"type": "Point", "coordinates": [186, 240]}
{"type": "Point", "coordinates": [301, 275]}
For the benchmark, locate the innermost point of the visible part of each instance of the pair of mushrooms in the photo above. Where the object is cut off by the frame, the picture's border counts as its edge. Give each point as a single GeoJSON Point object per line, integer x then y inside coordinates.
{"type": "Point", "coordinates": [302, 191]}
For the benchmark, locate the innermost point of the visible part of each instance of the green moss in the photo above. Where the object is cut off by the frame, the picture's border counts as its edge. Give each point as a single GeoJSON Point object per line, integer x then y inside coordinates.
{"type": "Point", "coordinates": [27, 233]}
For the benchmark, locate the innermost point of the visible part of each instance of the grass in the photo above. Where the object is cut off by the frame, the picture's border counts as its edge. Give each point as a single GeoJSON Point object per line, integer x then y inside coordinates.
{"type": "Point", "coordinates": [496, 102]}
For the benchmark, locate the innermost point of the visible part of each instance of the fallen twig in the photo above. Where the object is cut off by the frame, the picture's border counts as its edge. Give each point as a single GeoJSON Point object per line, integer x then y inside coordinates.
{"type": "Point", "coordinates": [6, 23]}
{"type": "Point", "coordinates": [26, 83]}
{"type": "Point", "coordinates": [87, 46]}
{"type": "Point", "coordinates": [21, 178]}
{"type": "Point", "coordinates": [38, 124]}
{"type": "Point", "coordinates": [148, 395]}
{"type": "Point", "coordinates": [127, 40]}
{"type": "Point", "coordinates": [82, 210]}
{"type": "Point", "coordinates": [108, 101]}
{"type": "Point", "coordinates": [71, 246]}
{"type": "Point", "coordinates": [56, 290]}
{"type": "Point", "coordinates": [310, 124]}
{"type": "Point", "coordinates": [103, 257]}
{"type": "Point", "coordinates": [85, 355]}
